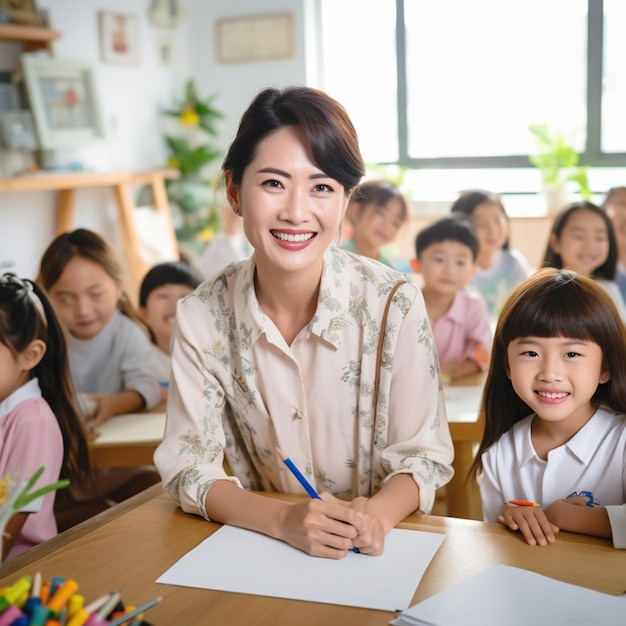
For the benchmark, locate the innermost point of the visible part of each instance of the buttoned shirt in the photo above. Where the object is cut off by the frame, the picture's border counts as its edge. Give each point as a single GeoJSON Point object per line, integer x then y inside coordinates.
{"type": "Point", "coordinates": [592, 461]}
{"type": "Point", "coordinates": [238, 391]}
{"type": "Point", "coordinates": [463, 331]}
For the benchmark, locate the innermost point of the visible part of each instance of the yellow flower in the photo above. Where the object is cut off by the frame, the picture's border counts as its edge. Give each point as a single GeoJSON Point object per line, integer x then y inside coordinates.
{"type": "Point", "coordinates": [207, 234]}
{"type": "Point", "coordinates": [189, 117]}
{"type": "Point", "coordinates": [173, 163]}
{"type": "Point", "coordinates": [5, 489]}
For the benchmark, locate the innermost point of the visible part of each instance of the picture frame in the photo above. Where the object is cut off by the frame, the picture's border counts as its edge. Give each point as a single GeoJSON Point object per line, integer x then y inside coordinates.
{"type": "Point", "coordinates": [119, 38]}
{"type": "Point", "coordinates": [9, 97]}
{"type": "Point", "coordinates": [21, 12]}
{"type": "Point", "coordinates": [64, 101]}
{"type": "Point", "coordinates": [265, 37]}
{"type": "Point", "coordinates": [17, 130]}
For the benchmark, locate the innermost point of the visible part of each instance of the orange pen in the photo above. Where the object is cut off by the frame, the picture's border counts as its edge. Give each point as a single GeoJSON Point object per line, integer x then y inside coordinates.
{"type": "Point", "coordinates": [523, 503]}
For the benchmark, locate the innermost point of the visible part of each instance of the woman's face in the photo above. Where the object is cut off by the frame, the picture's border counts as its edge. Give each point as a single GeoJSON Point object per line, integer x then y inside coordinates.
{"type": "Point", "coordinates": [291, 209]}
{"type": "Point", "coordinates": [584, 242]}
{"type": "Point", "coordinates": [491, 226]}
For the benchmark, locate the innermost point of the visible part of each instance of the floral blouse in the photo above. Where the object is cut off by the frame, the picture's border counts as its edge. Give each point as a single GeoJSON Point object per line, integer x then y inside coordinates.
{"type": "Point", "coordinates": [238, 391]}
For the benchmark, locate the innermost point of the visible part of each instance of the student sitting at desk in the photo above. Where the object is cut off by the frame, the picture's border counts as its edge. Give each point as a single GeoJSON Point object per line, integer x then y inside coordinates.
{"type": "Point", "coordinates": [39, 425]}
{"type": "Point", "coordinates": [161, 288]}
{"type": "Point", "coordinates": [110, 356]}
{"type": "Point", "coordinates": [553, 455]}
{"type": "Point", "coordinates": [446, 252]}
{"type": "Point", "coordinates": [280, 350]}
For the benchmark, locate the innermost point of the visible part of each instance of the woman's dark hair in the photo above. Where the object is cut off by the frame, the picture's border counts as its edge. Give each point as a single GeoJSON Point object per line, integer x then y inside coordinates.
{"type": "Point", "coordinates": [87, 245]}
{"type": "Point", "coordinates": [454, 228]}
{"type": "Point", "coordinates": [551, 303]}
{"type": "Point", "coordinates": [468, 201]}
{"type": "Point", "coordinates": [552, 259]}
{"type": "Point", "coordinates": [170, 273]}
{"type": "Point", "coordinates": [22, 321]}
{"type": "Point", "coordinates": [379, 193]}
{"type": "Point", "coordinates": [324, 122]}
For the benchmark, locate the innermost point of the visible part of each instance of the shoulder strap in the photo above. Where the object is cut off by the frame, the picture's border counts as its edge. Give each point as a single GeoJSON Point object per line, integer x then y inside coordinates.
{"type": "Point", "coordinates": [381, 342]}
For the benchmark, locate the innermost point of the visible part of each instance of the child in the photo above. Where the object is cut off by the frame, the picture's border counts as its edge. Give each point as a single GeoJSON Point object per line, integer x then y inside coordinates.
{"type": "Point", "coordinates": [38, 423]}
{"type": "Point", "coordinates": [499, 268]}
{"type": "Point", "coordinates": [583, 240]}
{"type": "Point", "coordinates": [615, 207]}
{"type": "Point", "coordinates": [162, 287]}
{"type": "Point", "coordinates": [553, 405]}
{"type": "Point", "coordinates": [376, 211]}
{"type": "Point", "coordinates": [281, 350]}
{"type": "Point", "coordinates": [110, 354]}
{"type": "Point", "coordinates": [446, 252]}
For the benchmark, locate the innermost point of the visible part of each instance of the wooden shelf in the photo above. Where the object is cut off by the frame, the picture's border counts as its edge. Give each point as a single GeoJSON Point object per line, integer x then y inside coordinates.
{"type": "Point", "coordinates": [31, 37]}
{"type": "Point", "coordinates": [120, 183]}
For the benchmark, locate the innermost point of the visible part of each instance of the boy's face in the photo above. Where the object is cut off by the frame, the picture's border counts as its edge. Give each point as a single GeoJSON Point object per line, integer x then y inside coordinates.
{"type": "Point", "coordinates": [446, 266]}
{"type": "Point", "coordinates": [160, 309]}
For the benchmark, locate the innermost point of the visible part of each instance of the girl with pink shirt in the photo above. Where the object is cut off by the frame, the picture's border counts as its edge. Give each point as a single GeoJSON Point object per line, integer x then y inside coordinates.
{"type": "Point", "coordinates": [38, 422]}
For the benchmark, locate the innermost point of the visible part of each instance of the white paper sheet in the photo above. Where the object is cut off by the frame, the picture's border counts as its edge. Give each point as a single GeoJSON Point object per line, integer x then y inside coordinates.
{"type": "Point", "coordinates": [242, 561]}
{"type": "Point", "coordinates": [515, 597]}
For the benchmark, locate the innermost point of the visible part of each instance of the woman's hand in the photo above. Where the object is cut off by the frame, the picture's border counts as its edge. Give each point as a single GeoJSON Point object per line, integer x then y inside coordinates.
{"type": "Point", "coordinates": [371, 539]}
{"type": "Point", "coordinates": [326, 527]}
{"type": "Point", "coordinates": [532, 522]}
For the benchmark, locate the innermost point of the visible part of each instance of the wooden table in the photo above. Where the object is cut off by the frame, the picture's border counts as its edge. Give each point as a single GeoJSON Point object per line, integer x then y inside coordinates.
{"type": "Point", "coordinates": [466, 429]}
{"type": "Point", "coordinates": [128, 440]}
{"type": "Point", "coordinates": [132, 544]}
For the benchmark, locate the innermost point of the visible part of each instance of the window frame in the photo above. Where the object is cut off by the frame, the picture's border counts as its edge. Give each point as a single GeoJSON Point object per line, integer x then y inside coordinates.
{"type": "Point", "coordinates": [592, 154]}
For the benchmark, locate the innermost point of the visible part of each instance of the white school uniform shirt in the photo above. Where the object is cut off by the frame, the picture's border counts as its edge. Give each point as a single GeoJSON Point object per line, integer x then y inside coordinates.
{"type": "Point", "coordinates": [237, 390]}
{"type": "Point", "coordinates": [617, 519]}
{"type": "Point", "coordinates": [613, 290]}
{"type": "Point", "coordinates": [593, 460]}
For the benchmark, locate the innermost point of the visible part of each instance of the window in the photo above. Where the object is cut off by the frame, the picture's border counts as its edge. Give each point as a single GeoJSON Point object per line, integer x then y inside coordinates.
{"type": "Point", "coordinates": [456, 83]}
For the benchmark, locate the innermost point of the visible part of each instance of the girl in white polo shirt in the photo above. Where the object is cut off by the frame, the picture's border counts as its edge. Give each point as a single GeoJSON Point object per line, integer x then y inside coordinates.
{"type": "Point", "coordinates": [553, 455]}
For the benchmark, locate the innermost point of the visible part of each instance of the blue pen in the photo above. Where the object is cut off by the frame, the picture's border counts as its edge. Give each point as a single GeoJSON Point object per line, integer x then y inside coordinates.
{"type": "Point", "coordinates": [302, 480]}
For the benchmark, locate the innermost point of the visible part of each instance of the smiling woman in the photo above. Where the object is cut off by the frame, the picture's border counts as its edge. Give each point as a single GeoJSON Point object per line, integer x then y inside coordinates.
{"type": "Point", "coordinates": [280, 350]}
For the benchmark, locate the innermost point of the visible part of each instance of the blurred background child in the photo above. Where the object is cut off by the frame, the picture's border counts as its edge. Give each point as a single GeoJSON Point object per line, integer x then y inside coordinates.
{"type": "Point", "coordinates": [615, 206]}
{"type": "Point", "coordinates": [162, 287]}
{"type": "Point", "coordinates": [109, 351]}
{"type": "Point", "coordinates": [39, 425]}
{"type": "Point", "coordinates": [582, 239]}
{"type": "Point", "coordinates": [499, 267]}
{"type": "Point", "coordinates": [377, 211]}
{"type": "Point", "coordinates": [446, 252]}
{"type": "Point", "coordinates": [110, 354]}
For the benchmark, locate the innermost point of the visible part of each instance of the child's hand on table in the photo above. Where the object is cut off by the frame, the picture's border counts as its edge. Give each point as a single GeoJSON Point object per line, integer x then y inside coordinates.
{"type": "Point", "coordinates": [532, 522]}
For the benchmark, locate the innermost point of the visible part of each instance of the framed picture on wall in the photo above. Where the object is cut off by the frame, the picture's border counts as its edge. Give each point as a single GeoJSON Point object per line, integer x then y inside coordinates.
{"type": "Point", "coordinates": [119, 38]}
{"type": "Point", "coordinates": [255, 38]}
{"type": "Point", "coordinates": [20, 12]}
{"type": "Point", "coordinates": [64, 101]}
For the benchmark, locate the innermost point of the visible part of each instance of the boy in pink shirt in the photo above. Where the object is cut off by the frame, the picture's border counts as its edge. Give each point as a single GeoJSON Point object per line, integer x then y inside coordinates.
{"type": "Point", "coordinates": [446, 253]}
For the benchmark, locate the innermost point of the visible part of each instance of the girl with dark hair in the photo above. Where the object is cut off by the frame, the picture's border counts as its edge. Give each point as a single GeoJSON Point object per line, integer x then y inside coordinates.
{"type": "Point", "coordinates": [39, 425]}
{"type": "Point", "coordinates": [499, 268]}
{"type": "Point", "coordinates": [614, 205]}
{"type": "Point", "coordinates": [583, 240]}
{"type": "Point", "coordinates": [553, 454]}
{"type": "Point", "coordinates": [280, 350]}
{"type": "Point", "coordinates": [377, 210]}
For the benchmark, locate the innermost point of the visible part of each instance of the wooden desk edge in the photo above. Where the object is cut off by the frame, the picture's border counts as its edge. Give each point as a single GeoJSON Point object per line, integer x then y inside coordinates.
{"type": "Point", "coordinates": [80, 530]}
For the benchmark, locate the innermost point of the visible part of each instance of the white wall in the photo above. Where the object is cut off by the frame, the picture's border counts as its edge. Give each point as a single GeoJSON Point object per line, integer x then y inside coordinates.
{"type": "Point", "coordinates": [131, 99]}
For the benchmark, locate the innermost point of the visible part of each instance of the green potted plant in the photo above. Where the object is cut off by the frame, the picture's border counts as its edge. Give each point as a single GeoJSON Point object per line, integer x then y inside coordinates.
{"type": "Point", "coordinates": [192, 195]}
{"type": "Point", "coordinates": [557, 161]}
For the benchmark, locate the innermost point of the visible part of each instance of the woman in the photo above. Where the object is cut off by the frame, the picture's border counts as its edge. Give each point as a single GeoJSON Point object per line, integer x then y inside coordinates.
{"type": "Point", "coordinates": [280, 351]}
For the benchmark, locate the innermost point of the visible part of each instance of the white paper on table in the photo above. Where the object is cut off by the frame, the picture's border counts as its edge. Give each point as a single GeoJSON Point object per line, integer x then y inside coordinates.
{"type": "Point", "coordinates": [242, 561]}
{"type": "Point", "coordinates": [515, 597]}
